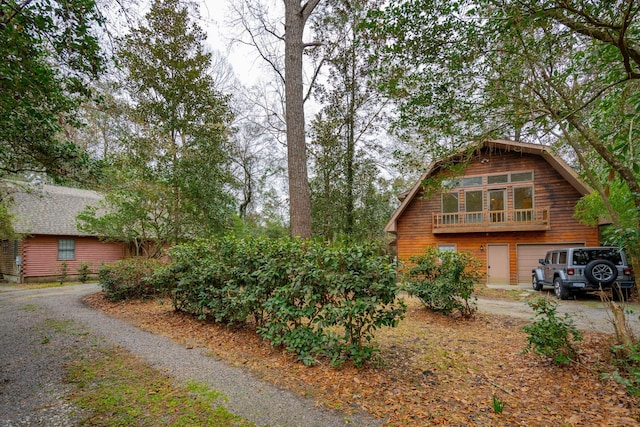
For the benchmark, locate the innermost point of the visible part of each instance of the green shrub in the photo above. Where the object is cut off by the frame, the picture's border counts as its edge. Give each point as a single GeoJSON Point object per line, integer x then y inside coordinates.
{"type": "Point", "coordinates": [129, 278]}
{"type": "Point", "coordinates": [628, 372]}
{"type": "Point", "coordinates": [552, 336]}
{"type": "Point", "coordinates": [64, 272]}
{"type": "Point", "coordinates": [312, 299]}
{"type": "Point", "coordinates": [334, 301]}
{"type": "Point", "coordinates": [443, 280]}
{"type": "Point", "coordinates": [83, 272]}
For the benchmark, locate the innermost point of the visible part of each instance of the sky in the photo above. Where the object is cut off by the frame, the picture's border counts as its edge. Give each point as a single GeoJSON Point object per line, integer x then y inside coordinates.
{"type": "Point", "coordinates": [215, 17]}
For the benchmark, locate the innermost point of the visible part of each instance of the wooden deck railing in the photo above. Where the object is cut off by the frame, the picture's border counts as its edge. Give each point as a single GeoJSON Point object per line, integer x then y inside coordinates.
{"type": "Point", "coordinates": [492, 221]}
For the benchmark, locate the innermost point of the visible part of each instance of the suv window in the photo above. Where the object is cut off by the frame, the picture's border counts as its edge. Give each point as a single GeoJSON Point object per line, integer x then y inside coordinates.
{"type": "Point", "coordinates": [555, 258]}
{"type": "Point", "coordinates": [562, 258]}
{"type": "Point", "coordinates": [548, 259]}
{"type": "Point", "coordinates": [583, 257]}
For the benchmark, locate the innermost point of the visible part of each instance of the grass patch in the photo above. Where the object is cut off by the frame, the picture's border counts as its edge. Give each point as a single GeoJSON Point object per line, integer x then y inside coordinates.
{"type": "Point", "coordinates": [116, 389]}
{"type": "Point", "coordinates": [60, 326]}
{"type": "Point", "coordinates": [31, 308]}
{"type": "Point", "coordinates": [27, 286]}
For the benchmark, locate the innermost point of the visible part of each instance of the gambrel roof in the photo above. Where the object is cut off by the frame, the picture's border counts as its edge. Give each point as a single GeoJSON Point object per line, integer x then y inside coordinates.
{"type": "Point", "coordinates": [544, 151]}
{"type": "Point", "coordinates": [49, 209]}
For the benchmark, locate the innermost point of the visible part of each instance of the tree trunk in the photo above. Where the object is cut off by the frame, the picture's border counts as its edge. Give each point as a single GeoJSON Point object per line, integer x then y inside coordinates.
{"type": "Point", "coordinates": [296, 16]}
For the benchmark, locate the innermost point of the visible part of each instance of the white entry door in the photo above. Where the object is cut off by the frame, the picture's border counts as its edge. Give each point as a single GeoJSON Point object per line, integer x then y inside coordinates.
{"type": "Point", "coordinates": [498, 264]}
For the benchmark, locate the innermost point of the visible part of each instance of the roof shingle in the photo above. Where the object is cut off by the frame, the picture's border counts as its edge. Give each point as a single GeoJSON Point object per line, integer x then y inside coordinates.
{"type": "Point", "coordinates": [51, 210]}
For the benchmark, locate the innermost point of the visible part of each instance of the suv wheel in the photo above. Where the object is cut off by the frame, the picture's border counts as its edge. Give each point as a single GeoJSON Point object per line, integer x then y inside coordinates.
{"type": "Point", "coordinates": [537, 286]}
{"type": "Point", "coordinates": [561, 291]}
{"type": "Point", "coordinates": [601, 271]}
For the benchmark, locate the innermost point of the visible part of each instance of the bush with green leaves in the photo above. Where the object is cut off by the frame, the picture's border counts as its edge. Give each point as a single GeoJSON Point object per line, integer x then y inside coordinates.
{"type": "Point", "coordinates": [129, 278]}
{"type": "Point", "coordinates": [311, 298]}
{"type": "Point", "coordinates": [550, 335]}
{"type": "Point", "coordinates": [333, 303]}
{"type": "Point", "coordinates": [84, 270]}
{"type": "Point", "coordinates": [227, 280]}
{"type": "Point", "coordinates": [443, 280]}
{"type": "Point", "coordinates": [628, 372]}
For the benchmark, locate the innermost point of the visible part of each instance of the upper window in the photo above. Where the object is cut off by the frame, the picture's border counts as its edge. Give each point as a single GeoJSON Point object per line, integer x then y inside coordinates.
{"type": "Point", "coordinates": [498, 179]}
{"type": "Point", "coordinates": [523, 198]}
{"type": "Point", "coordinates": [475, 181]}
{"type": "Point", "coordinates": [471, 181]}
{"type": "Point", "coordinates": [66, 249]}
{"type": "Point", "coordinates": [521, 176]}
{"type": "Point", "coordinates": [450, 203]}
{"type": "Point", "coordinates": [473, 206]}
{"type": "Point", "coordinates": [473, 201]}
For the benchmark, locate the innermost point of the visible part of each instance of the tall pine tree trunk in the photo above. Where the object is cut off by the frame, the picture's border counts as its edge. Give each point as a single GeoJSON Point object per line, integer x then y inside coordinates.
{"type": "Point", "coordinates": [296, 16]}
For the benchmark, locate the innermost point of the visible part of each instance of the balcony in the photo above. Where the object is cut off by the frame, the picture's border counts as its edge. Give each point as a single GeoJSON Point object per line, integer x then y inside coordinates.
{"type": "Point", "coordinates": [492, 221]}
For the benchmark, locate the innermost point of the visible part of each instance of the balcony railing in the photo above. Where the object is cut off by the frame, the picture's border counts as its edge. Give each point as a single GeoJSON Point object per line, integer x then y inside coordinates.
{"type": "Point", "coordinates": [492, 221]}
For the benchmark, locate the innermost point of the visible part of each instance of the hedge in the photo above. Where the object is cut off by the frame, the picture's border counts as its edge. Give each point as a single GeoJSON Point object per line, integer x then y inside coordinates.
{"type": "Point", "coordinates": [313, 299]}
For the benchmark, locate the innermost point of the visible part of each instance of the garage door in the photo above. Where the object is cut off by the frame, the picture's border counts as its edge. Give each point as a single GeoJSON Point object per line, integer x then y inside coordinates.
{"type": "Point", "coordinates": [529, 254]}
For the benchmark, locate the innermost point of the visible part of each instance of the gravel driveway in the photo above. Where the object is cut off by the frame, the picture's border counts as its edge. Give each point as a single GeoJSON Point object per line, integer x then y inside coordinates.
{"type": "Point", "coordinates": [587, 312]}
{"type": "Point", "coordinates": [33, 353]}
{"type": "Point", "coordinates": [32, 358]}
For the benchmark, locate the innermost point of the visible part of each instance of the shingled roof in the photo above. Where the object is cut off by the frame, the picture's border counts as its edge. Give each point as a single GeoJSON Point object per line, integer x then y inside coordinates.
{"type": "Point", "coordinates": [51, 210]}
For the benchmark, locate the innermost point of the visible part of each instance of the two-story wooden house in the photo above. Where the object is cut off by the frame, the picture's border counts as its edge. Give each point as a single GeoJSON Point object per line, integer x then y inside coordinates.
{"type": "Point", "coordinates": [512, 202]}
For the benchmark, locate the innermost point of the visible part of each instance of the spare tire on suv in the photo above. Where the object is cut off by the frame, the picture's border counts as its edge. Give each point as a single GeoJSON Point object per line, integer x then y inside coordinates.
{"type": "Point", "coordinates": [601, 271]}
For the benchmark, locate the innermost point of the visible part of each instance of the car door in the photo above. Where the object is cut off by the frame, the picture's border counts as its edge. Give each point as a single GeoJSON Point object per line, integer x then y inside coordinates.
{"type": "Point", "coordinates": [548, 266]}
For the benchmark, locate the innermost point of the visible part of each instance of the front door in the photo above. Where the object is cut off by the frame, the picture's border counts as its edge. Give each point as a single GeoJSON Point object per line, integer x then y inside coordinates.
{"type": "Point", "coordinates": [498, 264]}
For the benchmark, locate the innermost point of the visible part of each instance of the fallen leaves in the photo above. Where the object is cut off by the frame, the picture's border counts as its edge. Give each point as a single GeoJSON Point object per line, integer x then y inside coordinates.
{"type": "Point", "coordinates": [431, 370]}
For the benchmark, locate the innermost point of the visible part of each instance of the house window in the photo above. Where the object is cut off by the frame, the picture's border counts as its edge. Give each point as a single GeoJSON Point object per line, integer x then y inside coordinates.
{"type": "Point", "coordinates": [496, 205]}
{"type": "Point", "coordinates": [450, 206]}
{"type": "Point", "coordinates": [521, 176]}
{"type": "Point", "coordinates": [447, 248]}
{"type": "Point", "coordinates": [498, 179]}
{"type": "Point", "coordinates": [473, 206]}
{"type": "Point", "coordinates": [15, 248]}
{"type": "Point", "coordinates": [523, 203]}
{"type": "Point", "coordinates": [471, 181]}
{"type": "Point", "coordinates": [450, 203]}
{"type": "Point", "coordinates": [66, 249]}
{"type": "Point", "coordinates": [5, 247]}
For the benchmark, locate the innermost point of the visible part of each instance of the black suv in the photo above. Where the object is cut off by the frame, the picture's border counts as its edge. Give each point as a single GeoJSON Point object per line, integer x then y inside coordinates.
{"type": "Point", "coordinates": [573, 270]}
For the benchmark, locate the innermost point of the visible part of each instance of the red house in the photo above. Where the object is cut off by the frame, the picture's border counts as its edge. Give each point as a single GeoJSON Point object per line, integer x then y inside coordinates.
{"type": "Point", "coordinates": [511, 203]}
{"type": "Point", "coordinates": [51, 244]}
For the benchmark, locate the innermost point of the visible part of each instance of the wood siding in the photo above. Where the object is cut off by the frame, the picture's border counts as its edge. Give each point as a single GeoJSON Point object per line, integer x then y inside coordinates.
{"type": "Point", "coordinates": [551, 190]}
{"type": "Point", "coordinates": [40, 256]}
{"type": "Point", "coordinates": [9, 250]}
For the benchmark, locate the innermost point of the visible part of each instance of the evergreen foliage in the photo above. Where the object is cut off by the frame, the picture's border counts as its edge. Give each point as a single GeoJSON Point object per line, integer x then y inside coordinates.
{"type": "Point", "coordinates": [443, 280]}
{"type": "Point", "coordinates": [129, 278]}
{"type": "Point", "coordinates": [171, 180]}
{"type": "Point", "coordinates": [312, 299]}
{"type": "Point", "coordinates": [550, 335]}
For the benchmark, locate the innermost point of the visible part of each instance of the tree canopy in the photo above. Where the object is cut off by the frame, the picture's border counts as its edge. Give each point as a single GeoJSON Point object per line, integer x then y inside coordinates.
{"type": "Point", "coordinates": [171, 180]}
{"type": "Point", "coordinates": [49, 52]}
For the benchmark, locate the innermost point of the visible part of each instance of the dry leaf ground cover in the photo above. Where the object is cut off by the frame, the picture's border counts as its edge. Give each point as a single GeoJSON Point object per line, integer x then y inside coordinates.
{"type": "Point", "coordinates": [431, 370]}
